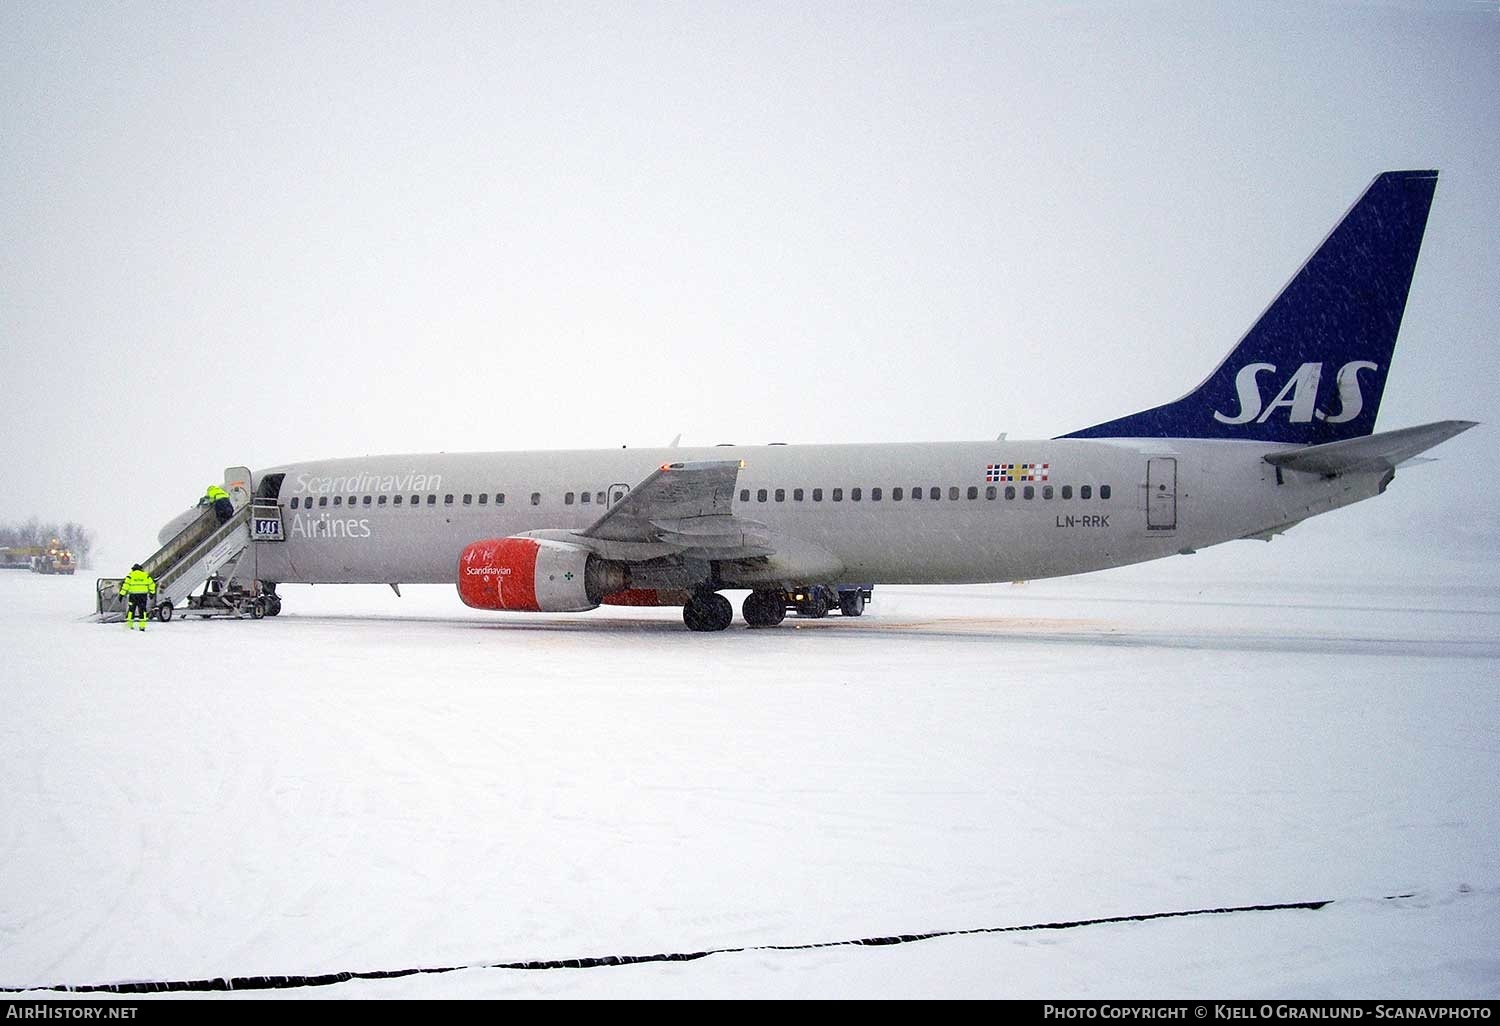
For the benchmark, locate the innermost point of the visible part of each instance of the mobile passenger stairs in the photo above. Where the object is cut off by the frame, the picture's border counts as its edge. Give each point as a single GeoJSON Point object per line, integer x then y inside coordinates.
{"type": "Point", "coordinates": [204, 552]}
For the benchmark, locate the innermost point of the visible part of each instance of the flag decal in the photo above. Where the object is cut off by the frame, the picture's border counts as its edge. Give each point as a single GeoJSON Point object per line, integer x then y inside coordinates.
{"type": "Point", "coordinates": [997, 472]}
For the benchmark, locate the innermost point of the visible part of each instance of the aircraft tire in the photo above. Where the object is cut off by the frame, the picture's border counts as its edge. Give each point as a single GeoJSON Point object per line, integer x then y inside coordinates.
{"type": "Point", "coordinates": [852, 603]}
{"type": "Point", "coordinates": [764, 608]}
{"type": "Point", "coordinates": [257, 609]}
{"type": "Point", "coordinates": [708, 612]}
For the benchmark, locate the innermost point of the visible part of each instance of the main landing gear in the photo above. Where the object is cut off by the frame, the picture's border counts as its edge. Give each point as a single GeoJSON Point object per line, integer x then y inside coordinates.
{"type": "Point", "coordinates": [764, 608]}
{"type": "Point", "coordinates": [707, 611]}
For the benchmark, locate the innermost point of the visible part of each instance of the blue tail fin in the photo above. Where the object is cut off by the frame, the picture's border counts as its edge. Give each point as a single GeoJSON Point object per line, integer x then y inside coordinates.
{"type": "Point", "coordinates": [1313, 367]}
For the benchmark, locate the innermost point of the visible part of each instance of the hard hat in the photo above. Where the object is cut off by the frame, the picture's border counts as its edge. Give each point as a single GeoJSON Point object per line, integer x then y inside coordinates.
{"type": "Point", "coordinates": [136, 567]}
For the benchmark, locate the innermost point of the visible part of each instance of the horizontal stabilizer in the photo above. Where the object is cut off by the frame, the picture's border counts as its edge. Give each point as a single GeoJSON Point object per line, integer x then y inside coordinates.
{"type": "Point", "coordinates": [1370, 452]}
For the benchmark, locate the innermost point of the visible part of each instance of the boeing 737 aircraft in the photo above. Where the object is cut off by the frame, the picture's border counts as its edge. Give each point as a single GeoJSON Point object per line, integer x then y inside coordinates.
{"type": "Point", "coordinates": [1281, 430]}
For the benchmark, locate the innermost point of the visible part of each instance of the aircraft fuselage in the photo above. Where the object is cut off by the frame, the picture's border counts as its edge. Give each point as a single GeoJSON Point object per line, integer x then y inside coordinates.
{"type": "Point", "coordinates": [836, 513]}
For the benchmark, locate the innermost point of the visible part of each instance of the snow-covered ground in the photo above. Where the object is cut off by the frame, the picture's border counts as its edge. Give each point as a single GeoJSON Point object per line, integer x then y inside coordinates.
{"type": "Point", "coordinates": [373, 783]}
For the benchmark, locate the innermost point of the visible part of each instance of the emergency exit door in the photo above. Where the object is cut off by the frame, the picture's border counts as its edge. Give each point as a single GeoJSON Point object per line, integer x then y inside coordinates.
{"type": "Point", "coordinates": [1161, 494]}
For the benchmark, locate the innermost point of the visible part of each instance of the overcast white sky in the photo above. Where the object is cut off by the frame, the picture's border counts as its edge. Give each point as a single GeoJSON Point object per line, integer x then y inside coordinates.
{"type": "Point", "coordinates": [254, 233]}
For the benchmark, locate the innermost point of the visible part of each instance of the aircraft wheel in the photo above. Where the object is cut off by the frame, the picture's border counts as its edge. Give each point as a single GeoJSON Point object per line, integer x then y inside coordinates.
{"type": "Point", "coordinates": [257, 609]}
{"type": "Point", "coordinates": [164, 612]}
{"type": "Point", "coordinates": [693, 616]}
{"type": "Point", "coordinates": [708, 612]}
{"type": "Point", "coordinates": [852, 603]}
{"type": "Point", "coordinates": [720, 611]}
{"type": "Point", "coordinates": [764, 608]}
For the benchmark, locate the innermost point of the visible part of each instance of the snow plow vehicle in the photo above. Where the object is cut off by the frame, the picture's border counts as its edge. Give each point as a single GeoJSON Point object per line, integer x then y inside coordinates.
{"type": "Point", "coordinates": [53, 558]}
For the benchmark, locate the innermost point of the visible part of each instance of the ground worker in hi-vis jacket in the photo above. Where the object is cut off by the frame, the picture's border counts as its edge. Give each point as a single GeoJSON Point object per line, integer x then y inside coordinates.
{"type": "Point", "coordinates": [218, 498]}
{"type": "Point", "coordinates": [138, 587]}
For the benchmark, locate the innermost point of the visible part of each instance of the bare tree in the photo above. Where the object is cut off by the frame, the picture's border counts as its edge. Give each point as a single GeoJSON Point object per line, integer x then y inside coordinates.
{"type": "Point", "coordinates": [33, 532]}
{"type": "Point", "coordinates": [80, 540]}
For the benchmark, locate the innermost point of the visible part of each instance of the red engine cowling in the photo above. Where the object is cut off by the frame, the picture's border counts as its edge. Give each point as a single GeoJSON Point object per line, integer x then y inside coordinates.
{"type": "Point", "coordinates": [647, 597]}
{"type": "Point", "coordinates": [535, 575]}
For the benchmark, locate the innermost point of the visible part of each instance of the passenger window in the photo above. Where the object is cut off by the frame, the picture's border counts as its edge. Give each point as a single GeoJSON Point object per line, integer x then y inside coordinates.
{"type": "Point", "coordinates": [468, 498]}
{"type": "Point", "coordinates": [781, 495]}
{"type": "Point", "coordinates": [989, 492]}
{"type": "Point", "coordinates": [1046, 491]}
{"type": "Point", "coordinates": [838, 495]}
{"type": "Point", "coordinates": [1028, 492]}
{"type": "Point", "coordinates": [934, 494]}
{"type": "Point", "coordinates": [1067, 491]}
{"type": "Point", "coordinates": [760, 495]}
{"type": "Point", "coordinates": [744, 495]}
{"type": "Point", "coordinates": [536, 498]}
{"type": "Point", "coordinates": [380, 501]}
{"type": "Point", "coordinates": [396, 500]}
{"type": "Point", "coordinates": [895, 495]}
{"type": "Point", "coordinates": [365, 501]}
{"type": "Point", "coordinates": [874, 494]}
{"type": "Point", "coordinates": [322, 500]}
{"type": "Point", "coordinates": [817, 495]}
{"type": "Point", "coordinates": [499, 498]}
{"type": "Point", "coordinates": [338, 500]}
{"type": "Point", "coordinates": [600, 498]}
{"type": "Point", "coordinates": [483, 499]}
{"type": "Point", "coordinates": [448, 499]}
{"type": "Point", "coordinates": [973, 491]}
{"type": "Point", "coordinates": [294, 502]}
{"type": "Point", "coordinates": [952, 494]}
{"type": "Point", "coordinates": [568, 499]}
{"type": "Point", "coordinates": [1086, 492]}
{"type": "Point", "coordinates": [854, 495]}
{"type": "Point", "coordinates": [432, 500]}
{"type": "Point", "coordinates": [796, 494]}
{"type": "Point", "coordinates": [1010, 492]}
{"type": "Point", "coordinates": [586, 498]}
{"type": "Point", "coordinates": [1104, 491]}
{"type": "Point", "coordinates": [916, 494]}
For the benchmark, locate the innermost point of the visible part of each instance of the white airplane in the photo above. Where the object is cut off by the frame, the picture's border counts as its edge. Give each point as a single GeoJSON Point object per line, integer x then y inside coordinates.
{"type": "Point", "coordinates": [1282, 430]}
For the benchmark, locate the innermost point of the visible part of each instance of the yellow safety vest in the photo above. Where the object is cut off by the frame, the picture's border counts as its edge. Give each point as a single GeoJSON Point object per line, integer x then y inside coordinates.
{"type": "Point", "coordinates": [215, 493]}
{"type": "Point", "coordinates": [137, 582]}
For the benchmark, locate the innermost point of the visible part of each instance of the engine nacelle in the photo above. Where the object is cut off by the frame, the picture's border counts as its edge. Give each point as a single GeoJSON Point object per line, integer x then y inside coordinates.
{"type": "Point", "coordinates": [535, 575]}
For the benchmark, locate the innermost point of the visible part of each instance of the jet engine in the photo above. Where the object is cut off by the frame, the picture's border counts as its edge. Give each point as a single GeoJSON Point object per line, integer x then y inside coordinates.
{"type": "Point", "coordinates": [535, 575]}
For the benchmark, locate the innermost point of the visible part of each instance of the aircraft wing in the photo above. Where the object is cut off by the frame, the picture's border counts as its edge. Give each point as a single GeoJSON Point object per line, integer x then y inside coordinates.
{"type": "Point", "coordinates": [687, 506]}
{"type": "Point", "coordinates": [1383, 451]}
